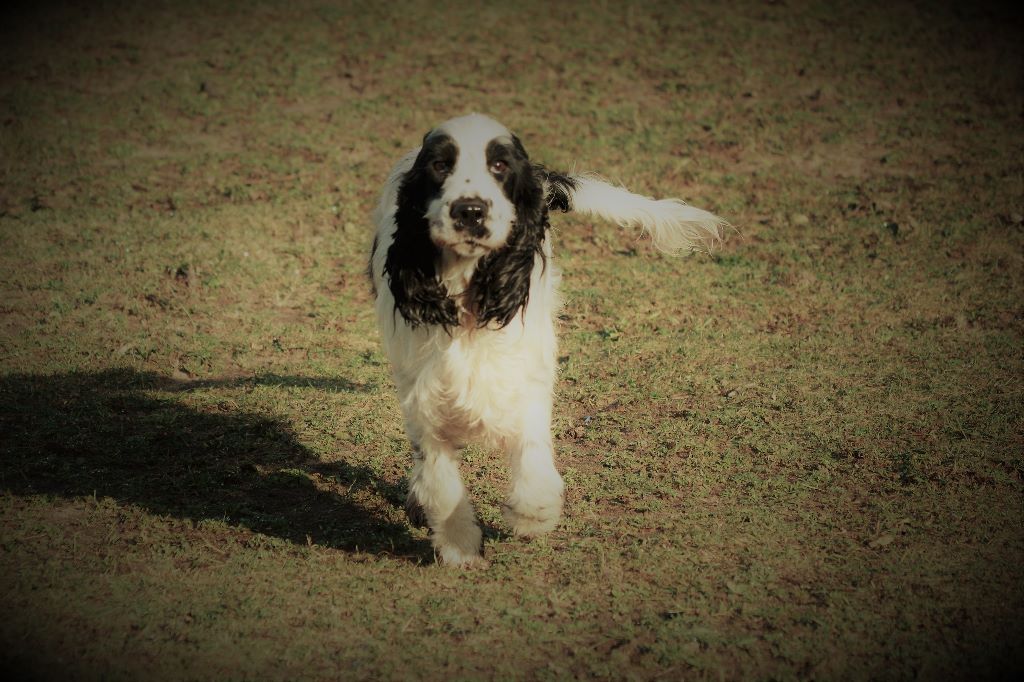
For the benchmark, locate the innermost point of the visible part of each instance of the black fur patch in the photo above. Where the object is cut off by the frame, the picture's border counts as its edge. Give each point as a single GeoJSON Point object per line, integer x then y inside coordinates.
{"type": "Point", "coordinates": [415, 513]}
{"type": "Point", "coordinates": [369, 265]}
{"type": "Point", "coordinates": [500, 286]}
{"type": "Point", "coordinates": [558, 189]}
{"type": "Point", "coordinates": [411, 261]}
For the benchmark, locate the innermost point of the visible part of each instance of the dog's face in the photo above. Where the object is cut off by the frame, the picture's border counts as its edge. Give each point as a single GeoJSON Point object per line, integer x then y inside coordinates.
{"type": "Point", "coordinates": [473, 173]}
{"type": "Point", "coordinates": [471, 203]}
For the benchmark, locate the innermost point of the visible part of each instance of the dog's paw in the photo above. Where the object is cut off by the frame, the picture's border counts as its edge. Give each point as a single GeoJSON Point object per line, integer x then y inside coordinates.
{"type": "Point", "coordinates": [467, 557]}
{"type": "Point", "coordinates": [459, 542]}
{"type": "Point", "coordinates": [532, 521]}
{"type": "Point", "coordinates": [450, 556]}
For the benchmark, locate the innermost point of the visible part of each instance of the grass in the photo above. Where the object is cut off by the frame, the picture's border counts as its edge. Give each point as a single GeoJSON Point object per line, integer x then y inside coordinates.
{"type": "Point", "coordinates": [798, 458]}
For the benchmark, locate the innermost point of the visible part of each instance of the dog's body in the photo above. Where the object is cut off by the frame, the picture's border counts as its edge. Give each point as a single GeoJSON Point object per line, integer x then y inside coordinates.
{"type": "Point", "coordinates": [467, 295]}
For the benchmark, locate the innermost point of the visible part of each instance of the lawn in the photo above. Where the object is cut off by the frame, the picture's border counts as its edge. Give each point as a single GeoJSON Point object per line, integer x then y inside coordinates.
{"type": "Point", "coordinates": [801, 457]}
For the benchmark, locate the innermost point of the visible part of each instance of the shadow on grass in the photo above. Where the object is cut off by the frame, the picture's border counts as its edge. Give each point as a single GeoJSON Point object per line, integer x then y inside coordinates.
{"type": "Point", "coordinates": [111, 434]}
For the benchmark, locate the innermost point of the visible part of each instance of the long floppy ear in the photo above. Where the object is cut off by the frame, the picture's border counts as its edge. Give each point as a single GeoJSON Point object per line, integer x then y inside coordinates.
{"type": "Point", "coordinates": [500, 287]}
{"type": "Point", "coordinates": [411, 261]}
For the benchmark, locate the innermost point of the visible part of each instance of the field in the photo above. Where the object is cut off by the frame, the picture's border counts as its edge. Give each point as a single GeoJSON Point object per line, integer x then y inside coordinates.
{"type": "Point", "coordinates": [800, 457]}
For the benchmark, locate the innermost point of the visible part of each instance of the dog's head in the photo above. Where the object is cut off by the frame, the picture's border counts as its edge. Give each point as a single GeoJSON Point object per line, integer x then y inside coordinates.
{"type": "Point", "coordinates": [472, 197]}
{"type": "Point", "coordinates": [474, 183]}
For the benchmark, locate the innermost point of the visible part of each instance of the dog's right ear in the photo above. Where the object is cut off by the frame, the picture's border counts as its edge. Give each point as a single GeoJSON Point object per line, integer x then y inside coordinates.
{"type": "Point", "coordinates": [410, 265]}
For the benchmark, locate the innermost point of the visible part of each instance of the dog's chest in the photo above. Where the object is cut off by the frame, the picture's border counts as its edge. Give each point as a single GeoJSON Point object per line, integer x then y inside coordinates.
{"type": "Point", "coordinates": [479, 368]}
{"type": "Point", "coordinates": [479, 382]}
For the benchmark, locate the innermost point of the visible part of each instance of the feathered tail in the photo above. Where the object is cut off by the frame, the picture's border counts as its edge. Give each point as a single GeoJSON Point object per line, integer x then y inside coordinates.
{"type": "Point", "coordinates": [675, 227]}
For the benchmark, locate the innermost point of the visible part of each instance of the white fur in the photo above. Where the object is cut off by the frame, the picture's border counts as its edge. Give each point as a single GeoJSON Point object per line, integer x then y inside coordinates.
{"type": "Point", "coordinates": [494, 385]}
{"type": "Point", "coordinates": [675, 226]}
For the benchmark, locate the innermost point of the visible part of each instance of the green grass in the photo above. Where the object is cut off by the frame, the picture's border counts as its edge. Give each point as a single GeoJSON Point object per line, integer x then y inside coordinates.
{"type": "Point", "coordinates": [798, 458]}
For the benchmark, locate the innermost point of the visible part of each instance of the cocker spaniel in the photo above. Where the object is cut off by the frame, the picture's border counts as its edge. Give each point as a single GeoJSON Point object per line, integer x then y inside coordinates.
{"type": "Point", "coordinates": [466, 298]}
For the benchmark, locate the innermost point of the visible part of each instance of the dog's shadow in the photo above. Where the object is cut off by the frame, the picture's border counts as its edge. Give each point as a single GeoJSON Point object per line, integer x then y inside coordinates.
{"type": "Point", "coordinates": [125, 435]}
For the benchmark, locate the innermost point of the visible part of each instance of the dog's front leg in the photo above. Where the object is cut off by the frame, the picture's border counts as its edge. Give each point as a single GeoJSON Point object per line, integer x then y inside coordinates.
{"type": "Point", "coordinates": [436, 488]}
{"type": "Point", "coordinates": [534, 504]}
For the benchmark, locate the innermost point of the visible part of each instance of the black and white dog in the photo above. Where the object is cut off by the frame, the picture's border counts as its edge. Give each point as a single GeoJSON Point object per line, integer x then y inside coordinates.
{"type": "Point", "coordinates": [467, 295]}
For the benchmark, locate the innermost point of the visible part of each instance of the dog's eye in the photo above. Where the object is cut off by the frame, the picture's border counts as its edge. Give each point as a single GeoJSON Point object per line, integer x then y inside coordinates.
{"type": "Point", "coordinates": [441, 167]}
{"type": "Point", "coordinates": [498, 166]}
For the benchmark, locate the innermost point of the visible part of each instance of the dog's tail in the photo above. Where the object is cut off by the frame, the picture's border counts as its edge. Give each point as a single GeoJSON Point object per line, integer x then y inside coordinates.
{"type": "Point", "coordinates": [675, 226]}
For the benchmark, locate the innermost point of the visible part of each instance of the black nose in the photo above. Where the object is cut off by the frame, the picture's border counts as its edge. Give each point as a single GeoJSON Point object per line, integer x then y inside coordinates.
{"type": "Point", "coordinates": [469, 214]}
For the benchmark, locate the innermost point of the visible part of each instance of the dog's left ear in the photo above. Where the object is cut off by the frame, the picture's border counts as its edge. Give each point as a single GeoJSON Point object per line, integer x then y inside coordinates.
{"type": "Point", "coordinates": [518, 144]}
{"type": "Point", "coordinates": [500, 286]}
{"type": "Point", "coordinates": [528, 192]}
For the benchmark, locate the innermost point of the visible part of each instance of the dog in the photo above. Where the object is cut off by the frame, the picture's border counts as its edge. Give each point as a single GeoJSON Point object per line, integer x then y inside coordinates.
{"type": "Point", "coordinates": [466, 298]}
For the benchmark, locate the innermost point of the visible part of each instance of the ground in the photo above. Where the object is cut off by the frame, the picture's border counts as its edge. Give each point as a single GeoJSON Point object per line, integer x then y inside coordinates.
{"type": "Point", "coordinates": [799, 457]}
